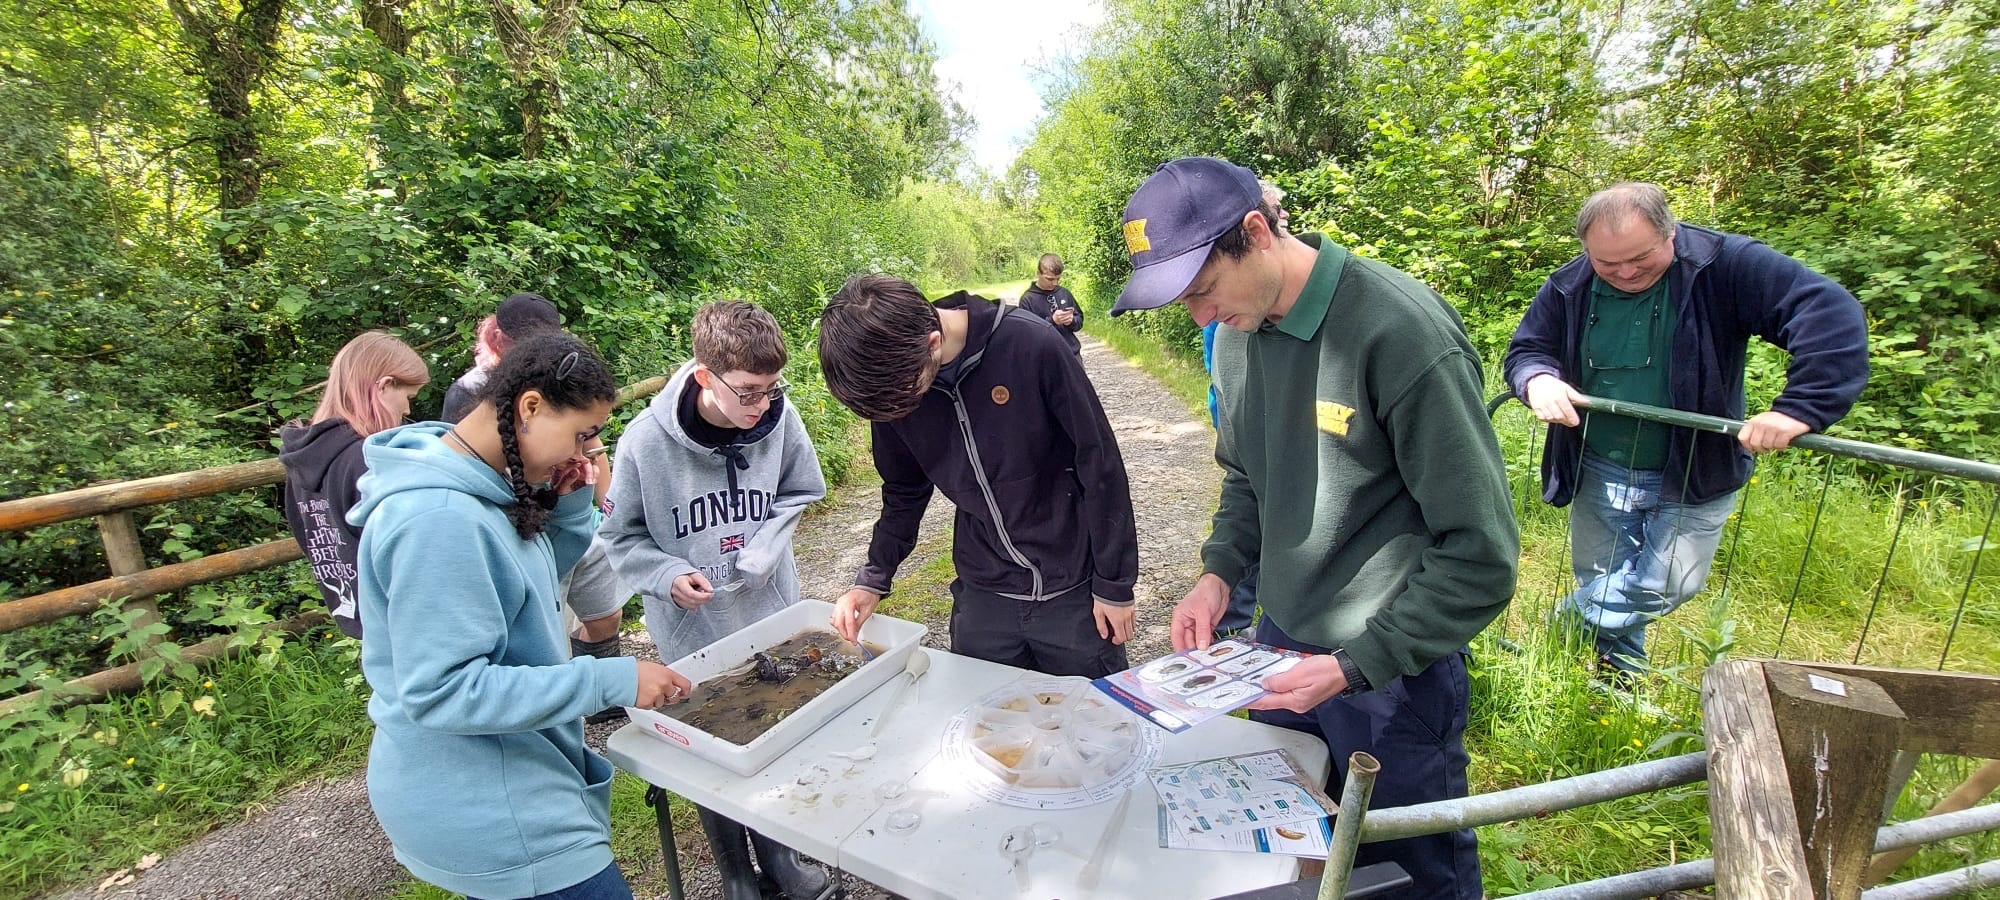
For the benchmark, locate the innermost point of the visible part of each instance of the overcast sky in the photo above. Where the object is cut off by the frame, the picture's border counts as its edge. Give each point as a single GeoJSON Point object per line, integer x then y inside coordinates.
{"type": "Point", "coordinates": [990, 51]}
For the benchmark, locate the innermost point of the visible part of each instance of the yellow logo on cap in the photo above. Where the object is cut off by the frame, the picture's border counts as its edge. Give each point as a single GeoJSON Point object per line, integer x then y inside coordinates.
{"type": "Point", "coordinates": [1135, 237]}
{"type": "Point", "coordinates": [1333, 417]}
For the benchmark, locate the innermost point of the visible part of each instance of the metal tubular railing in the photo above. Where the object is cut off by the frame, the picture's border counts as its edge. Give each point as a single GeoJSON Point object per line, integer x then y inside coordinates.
{"type": "Point", "coordinates": [1701, 873]}
{"type": "Point", "coordinates": [1346, 840]}
{"type": "Point", "coordinates": [1532, 800]}
{"type": "Point", "coordinates": [1954, 883]}
{"type": "Point", "coordinates": [1895, 456]}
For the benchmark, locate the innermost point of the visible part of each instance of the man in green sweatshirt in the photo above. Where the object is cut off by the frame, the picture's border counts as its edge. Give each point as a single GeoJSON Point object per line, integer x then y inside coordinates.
{"type": "Point", "coordinates": [1359, 472]}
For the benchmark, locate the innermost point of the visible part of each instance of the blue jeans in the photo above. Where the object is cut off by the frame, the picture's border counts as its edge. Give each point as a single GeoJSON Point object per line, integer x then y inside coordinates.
{"type": "Point", "coordinates": [607, 884]}
{"type": "Point", "coordinates": [1636, 556]}
{"type": "Point", "coordinates": [1415, 725]}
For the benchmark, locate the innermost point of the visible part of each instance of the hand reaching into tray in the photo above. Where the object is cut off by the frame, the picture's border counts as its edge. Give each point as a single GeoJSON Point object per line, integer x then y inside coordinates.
{"type": "Point", "coordinates": [659, 686]}
{"type": "Point", "coordinates": [853, 608]}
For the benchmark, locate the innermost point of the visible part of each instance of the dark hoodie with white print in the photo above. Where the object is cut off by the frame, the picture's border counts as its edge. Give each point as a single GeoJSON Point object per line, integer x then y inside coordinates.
{"type": "Point", "coordinates": [678, 506]}
{"type": "Point", "coordinates": [1012, 432]}
{"type": "Point", "coordinates": [322, 464]}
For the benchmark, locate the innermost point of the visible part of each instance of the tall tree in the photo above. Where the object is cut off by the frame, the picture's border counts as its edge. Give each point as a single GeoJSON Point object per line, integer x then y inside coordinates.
{"type": "Point", "coordinates": [533, 56]}
{"type": "Point", "coordinates": [234, 49]}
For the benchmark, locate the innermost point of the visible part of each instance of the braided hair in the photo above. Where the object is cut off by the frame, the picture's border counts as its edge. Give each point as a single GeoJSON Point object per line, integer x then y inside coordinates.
{"type": "Point", "coordinates": [569, 375]}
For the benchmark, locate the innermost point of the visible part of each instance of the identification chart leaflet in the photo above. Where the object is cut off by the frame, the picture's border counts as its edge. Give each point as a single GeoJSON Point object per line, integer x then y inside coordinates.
{"type": "Point", "coordinates": [1188, 688]}
{"type": "Point", "coordinates": [1251, 803]}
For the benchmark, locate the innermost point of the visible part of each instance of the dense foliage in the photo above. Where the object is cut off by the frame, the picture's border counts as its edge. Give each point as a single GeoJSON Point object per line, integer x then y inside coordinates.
{"type": "Point", "coordinates": [1456, 138]}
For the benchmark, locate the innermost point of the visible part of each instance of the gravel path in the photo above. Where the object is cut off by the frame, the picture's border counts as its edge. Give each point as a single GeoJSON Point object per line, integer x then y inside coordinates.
{"type": "Point", "coordinates": [290, 850]}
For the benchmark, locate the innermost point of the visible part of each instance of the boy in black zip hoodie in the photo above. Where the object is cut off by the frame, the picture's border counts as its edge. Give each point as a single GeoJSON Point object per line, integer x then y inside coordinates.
{"type": "Point", "coordinates": [991, 407]}
{"type": "Point", "coordinates": [1046, 297]}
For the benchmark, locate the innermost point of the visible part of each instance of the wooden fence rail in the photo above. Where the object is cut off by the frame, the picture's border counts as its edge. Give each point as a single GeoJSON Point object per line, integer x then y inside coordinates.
{"type": "Point", "coordinates": [49, 509]}
{"type": "Point", "coordinates": [111, 504]}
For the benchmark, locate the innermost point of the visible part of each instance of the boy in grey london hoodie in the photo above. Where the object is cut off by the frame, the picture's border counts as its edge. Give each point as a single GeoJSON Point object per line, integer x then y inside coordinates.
{"type": "Point", "coordinates": [709, 486]}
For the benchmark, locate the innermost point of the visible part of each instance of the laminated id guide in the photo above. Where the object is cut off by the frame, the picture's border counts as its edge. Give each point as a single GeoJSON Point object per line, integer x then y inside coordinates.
{"type": "Point", "coordinates": [1188, 688]}
{"type": "Point", "coordinates": [1250, 803]}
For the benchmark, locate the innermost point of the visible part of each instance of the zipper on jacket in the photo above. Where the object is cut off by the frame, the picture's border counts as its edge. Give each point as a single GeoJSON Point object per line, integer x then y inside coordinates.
{"type": "Point", "coordinates": [986, 488]}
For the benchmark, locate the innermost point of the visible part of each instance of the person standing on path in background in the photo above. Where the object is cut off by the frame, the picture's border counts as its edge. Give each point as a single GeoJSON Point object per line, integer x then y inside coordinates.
{"type": "Point", "coordinates": [1046, 297]}
{"type": "Point", "coordinates": [1661, 313]}
{"type": "Point", "coordinates": [477, 770]}
{"type": "Point", "coordinates": [989, 405]}
{"type": "Point", "coordinates": [369, 387]}
{"type": "Point", "coordinates": [712, 480]}
{"type": "Point", "coordinates": [591, 590]}
{"type": "Point", "coordinates": [1243, 597]}
{"type": "Point", "coordinates": [1395, 544]}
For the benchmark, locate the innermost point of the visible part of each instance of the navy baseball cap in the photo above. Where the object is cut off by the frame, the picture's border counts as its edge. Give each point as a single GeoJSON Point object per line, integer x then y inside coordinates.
{"type": "Point", "coordinates": [1172, 221]}
{"type": "Point", "coordinates": [522, 313]}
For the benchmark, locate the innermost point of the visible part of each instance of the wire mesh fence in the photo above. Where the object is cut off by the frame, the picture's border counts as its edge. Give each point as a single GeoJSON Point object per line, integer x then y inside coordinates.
{"type": "Point", "coordinates": [1833, 549]}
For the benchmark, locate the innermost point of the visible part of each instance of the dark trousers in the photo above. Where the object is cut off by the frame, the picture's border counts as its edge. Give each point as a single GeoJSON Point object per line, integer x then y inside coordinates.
{"type": "Point", "coordinates": [1415, 726]}
{"type": "Point", "coordinates": [1242, 606]}
{"type": "Point", "coordinates": [607, 884]}
{"type": "Point", "coordinates": [1057, 636]}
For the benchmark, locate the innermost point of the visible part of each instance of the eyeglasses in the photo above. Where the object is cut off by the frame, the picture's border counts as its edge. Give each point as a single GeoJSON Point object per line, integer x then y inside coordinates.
{"type": "Point", "coordinates": [774, 392]}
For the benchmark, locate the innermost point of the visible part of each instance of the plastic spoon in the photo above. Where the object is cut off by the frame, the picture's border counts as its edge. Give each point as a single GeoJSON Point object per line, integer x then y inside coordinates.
{"type": "Point", "coordinates": [919, 663]}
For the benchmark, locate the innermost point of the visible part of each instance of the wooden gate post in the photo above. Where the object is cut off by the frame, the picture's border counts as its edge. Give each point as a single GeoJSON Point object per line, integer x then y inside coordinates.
{"type": "Point", "coordinates": [1753, 823]}
{"type": "Point", "coordinates": [1839, 735]}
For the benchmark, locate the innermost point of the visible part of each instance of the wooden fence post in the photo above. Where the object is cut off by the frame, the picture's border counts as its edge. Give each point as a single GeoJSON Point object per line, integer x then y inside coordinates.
{"type": "Point", "coordinates": [1754, 825]}
{"type": "Point", "coordinates": [127, 557]}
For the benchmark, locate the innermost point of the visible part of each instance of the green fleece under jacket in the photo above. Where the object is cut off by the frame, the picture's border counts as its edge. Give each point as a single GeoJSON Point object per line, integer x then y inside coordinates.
{"type": "Point", "coordinates": [1361, 472]}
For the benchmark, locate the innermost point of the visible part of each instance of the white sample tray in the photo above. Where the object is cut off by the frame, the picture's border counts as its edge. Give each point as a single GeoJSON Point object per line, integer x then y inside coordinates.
{"type": "Point", "coordinates": [897, 637]}
{"type": "Point", "coordinates": [1070, 745]}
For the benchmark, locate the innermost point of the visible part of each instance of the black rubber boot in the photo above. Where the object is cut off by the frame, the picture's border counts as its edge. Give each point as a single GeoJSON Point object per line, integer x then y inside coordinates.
{"type": "Point", "coordinates": [800, 880]}
{"type": "Point", "coordinates": [726, 839]}
{"type": "Point", "coordinates": [604, 649]}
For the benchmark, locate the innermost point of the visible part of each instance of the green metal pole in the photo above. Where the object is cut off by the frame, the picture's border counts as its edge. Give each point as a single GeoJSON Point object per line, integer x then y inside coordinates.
{"type": "Point", "coordinates": [1894, 456]}
{"type": "Point", "coordinates": [1361, 772]}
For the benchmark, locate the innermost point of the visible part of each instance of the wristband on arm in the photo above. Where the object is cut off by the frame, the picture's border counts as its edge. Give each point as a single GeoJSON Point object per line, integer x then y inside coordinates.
{"type": "Point", "coordinates": [1357, 683]}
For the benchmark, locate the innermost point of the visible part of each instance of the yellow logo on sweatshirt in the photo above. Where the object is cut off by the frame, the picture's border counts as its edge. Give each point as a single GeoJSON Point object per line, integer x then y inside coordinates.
{"type": "Point", "coordinates": [1333, 417]}
{"type": "Point", "coordinates": [1135, 237]}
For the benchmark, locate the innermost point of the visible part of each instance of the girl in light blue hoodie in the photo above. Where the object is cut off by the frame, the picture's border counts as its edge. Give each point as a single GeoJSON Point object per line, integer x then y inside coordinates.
{"type": "Point", "coordinates": [478, 772]}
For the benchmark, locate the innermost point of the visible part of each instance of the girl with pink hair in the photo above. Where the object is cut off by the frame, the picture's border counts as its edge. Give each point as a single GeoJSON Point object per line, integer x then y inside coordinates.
{"type": "Point", "coordinates": [368, 389]}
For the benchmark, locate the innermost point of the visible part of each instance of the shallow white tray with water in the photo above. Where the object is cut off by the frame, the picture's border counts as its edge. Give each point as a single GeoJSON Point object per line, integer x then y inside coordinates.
{"type": "Point", "coordinates": [897, 639]}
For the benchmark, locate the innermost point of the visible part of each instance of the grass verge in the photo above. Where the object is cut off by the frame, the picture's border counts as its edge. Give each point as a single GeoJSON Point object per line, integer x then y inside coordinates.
{"type": "Point", "coordinates": [95, 787]}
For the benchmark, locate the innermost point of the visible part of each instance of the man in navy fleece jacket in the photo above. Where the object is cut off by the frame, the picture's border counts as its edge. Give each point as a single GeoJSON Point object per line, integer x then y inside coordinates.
{"type": "Point", "coordinates": [1662, 313]}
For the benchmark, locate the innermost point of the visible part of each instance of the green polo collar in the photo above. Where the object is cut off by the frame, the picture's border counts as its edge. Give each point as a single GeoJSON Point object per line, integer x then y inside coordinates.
{"type": "Point", "coordinates": [1317, 295]}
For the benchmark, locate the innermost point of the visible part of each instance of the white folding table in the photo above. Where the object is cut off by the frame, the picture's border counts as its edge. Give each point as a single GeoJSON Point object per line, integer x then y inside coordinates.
{"type": "Point", "coordinates": [955, 850]}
